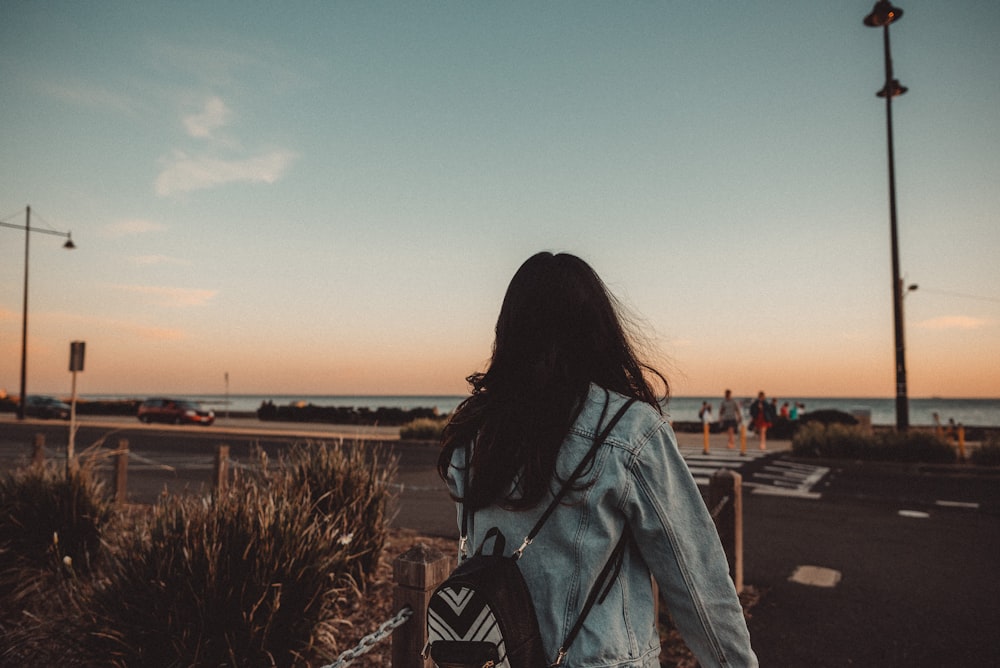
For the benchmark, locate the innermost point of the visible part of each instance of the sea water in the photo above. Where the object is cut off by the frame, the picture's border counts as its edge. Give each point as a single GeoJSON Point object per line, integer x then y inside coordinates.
{"type": "Point", "coordinates": [969, 412]}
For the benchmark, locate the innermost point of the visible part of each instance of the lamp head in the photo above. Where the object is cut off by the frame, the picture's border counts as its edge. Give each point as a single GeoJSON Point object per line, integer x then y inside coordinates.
{"type": "Point", "coordinates": [69, 243]}
{"type": "Point", "coordinates": [883, 14]}
{"type": "Point", "coordinates": [893, 89]}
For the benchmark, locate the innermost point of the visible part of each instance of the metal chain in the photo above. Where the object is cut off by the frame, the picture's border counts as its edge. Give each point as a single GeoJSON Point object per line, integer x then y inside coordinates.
{"type": "Point", "coordinates": [719, 506]}
{"type": "Point", "coordinates": [369, 641]}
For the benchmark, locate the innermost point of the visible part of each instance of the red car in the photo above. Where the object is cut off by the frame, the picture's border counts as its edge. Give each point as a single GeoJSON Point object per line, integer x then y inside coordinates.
{"type": "Point", "coordinates": [174, 411]}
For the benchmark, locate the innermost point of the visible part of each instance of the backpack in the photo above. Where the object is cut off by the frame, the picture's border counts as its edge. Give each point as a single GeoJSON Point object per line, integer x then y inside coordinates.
{"type": "Point", "coordinates": [482, 615]}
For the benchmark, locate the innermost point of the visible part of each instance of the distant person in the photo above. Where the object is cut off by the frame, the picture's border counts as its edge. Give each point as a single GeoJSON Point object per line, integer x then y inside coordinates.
{"type": "Point", "coordinates": [785, 411]}
{"type": "Point", "coordinates": [730, 418]}
{"type": "Point", "coordinates": [761, 417]}
{"type": "Point", "coordinates": [793, 413]}
{"type": "Point", "coordinates": [705, 414]}
{"type": "Point", "coordinates": [562, 366]}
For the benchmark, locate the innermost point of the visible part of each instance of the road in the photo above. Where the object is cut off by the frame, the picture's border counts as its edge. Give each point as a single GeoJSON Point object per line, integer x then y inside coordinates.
{"type": "Point", "coordinates": [856, 564]}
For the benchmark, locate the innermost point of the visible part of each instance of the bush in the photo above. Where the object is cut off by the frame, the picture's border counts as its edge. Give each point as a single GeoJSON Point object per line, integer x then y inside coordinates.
{"type": "Point", "coordinates": [914, 446]}
{"type": "Point", "coordinates": [256, 576]}
{"type": "Point", "coordinates": [350, 490]}
{"type": "Point", "coordinates": [385, 416]}
{"type": "Point", "coordinates": [987, 454]}
{"type": "Point", "coordinates": [423, 429]}
{"type": "Point", "coordinates": [52, 527]}
{"type": "Point", "coordinates": [839, 441]}
{"type": "Point", "coordinates": [246, 579]}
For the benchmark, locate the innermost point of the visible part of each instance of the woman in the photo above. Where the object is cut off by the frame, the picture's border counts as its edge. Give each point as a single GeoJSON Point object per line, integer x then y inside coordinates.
{"type": "Point", "coordinates": [562, 364]}
{"type": "Point", "coordinates": [762, 417]}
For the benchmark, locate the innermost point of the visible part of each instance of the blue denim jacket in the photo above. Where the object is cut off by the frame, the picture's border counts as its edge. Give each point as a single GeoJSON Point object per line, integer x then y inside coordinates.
{"type": "Point", "coordinates": [639, 481]}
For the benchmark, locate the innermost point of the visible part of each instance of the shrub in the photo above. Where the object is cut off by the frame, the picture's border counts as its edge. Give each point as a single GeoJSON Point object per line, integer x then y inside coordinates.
{"type": "Point", "coordinates": [913, 446]}
{"type": "Point", "coordinates": [423, 429]}
{"type": "Point", "coordinates": [987, 454]}
{"type": "Point", "coordinates": [814, 439]}
{"type": "Point", "coordinates": [838, 441]}
{"type": "Point", "coordinates": [51, 528]}
{"type": "Point", "coordinates": [253, 577]}
{"type": "Point", "coordinates": [349, 488]}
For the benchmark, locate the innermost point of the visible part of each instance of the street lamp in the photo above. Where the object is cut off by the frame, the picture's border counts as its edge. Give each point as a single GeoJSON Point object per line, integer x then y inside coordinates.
{"type": "Point", "coordinates": [24, 313]}
{"type": "Point", "coordinates": [882, 15]}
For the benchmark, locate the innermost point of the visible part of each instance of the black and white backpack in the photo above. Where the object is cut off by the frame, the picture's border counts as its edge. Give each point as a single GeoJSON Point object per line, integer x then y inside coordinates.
{"type": "Point", "coordinates": [482, 616]}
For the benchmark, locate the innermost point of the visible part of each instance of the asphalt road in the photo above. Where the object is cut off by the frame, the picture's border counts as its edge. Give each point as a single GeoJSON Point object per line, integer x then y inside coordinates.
{"type": "Point", "coordinates": [873, 565]}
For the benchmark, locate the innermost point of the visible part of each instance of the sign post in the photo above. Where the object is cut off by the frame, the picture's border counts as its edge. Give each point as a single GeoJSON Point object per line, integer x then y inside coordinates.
{"type": "Point", "coordinates": [76, 354]}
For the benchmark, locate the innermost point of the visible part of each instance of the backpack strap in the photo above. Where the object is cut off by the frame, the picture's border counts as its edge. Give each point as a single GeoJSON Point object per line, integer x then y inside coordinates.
{"type": "Point", "coordinates": [577, 472]}
{"type": "Point", "coordinates": [605, 580]}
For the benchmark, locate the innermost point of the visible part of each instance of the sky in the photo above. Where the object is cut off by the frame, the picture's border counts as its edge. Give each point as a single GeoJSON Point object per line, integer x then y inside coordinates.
{"type": "Point", "coordinates": [331, 197]}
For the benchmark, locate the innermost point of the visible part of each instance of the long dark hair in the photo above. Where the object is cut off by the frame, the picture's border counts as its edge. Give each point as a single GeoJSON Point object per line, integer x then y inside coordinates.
{"type": "Point", "coordinates": [559, 330]}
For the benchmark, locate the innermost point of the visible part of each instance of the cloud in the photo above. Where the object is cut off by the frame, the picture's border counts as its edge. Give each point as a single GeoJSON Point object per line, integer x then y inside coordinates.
{"type": "Point", "coordinates": [127, 228]}
{"type": "Point", "coordinates": [215, 115]}
{"type": "Point", "coordinates": [172, 297]}
{"type": "Point", "coordinates": [184, 173]}
{"type": "Point", "coordinates": [953, 322]}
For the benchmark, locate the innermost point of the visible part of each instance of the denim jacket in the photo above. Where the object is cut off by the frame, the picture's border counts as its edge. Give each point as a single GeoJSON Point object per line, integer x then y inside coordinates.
{"type": "Point", "coordinates": [640, 481]}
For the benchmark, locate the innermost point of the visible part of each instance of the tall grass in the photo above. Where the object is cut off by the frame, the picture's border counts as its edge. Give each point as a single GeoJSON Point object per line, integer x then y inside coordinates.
{"type": "Point", "coordinates": [837, 441]}
{"type": "Point", "coordinates": [251, 577]}
{"type": "Point", "coordinates": [349, 489]}
{"type": "Point", "coordinates": [987, 454]}
{"type": "Point", "coordinates": [52, 526]}
{"type": "Point", "coordinates": [423, 429]}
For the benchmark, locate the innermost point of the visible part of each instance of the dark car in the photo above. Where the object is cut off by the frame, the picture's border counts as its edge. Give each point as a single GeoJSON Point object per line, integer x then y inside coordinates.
{"type": "Point", "coordinates": [174, 411]}
{"type": "Point", "coordinates": [46, 407]}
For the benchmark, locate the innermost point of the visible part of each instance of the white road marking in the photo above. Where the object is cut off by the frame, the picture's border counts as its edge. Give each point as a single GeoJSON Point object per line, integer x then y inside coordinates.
{"type": "Point", "coordinates": [957, 504]}
{"type": "Point", "coordinates": [815, 576]}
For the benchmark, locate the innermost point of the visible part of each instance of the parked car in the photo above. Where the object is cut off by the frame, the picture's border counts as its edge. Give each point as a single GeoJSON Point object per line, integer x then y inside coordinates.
{"type": "Point", "coordinates": [46, 407]}
{"type": "Point", "coordinates": [174, 411]}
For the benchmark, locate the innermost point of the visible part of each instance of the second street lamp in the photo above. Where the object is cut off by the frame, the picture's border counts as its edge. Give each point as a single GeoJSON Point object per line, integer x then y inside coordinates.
{"type": "Point", "coordinates": [882, 15]}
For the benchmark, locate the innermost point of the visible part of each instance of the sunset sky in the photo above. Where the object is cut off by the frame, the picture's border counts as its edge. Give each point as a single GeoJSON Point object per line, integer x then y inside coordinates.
{"type": "Point", "coordinates": [330, 197]}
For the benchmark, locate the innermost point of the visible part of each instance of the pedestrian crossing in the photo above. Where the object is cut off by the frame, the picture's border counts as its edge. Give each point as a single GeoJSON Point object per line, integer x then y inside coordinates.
{"type": "Point", "coordinates": [702, 465]}
{"type": "Point", "coordinates": [763, 472]}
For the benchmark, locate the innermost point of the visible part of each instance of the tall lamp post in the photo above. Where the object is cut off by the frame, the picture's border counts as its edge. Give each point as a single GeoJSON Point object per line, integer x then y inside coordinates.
{"type": "Point", "coordinates": [882, 15]}
{"type": "Point", "coordinates": [24, 312]}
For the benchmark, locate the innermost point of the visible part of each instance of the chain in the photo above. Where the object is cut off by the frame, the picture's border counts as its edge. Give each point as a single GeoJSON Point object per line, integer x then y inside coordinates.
{"type": "Point", "coordinates": [719, 506]}
{"type": "Point", "coordinates": [369, 641]}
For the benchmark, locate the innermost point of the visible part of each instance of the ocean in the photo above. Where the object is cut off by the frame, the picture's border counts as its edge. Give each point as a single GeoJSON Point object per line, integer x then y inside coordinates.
{"type": "Point", "coordinates": [968, 412]}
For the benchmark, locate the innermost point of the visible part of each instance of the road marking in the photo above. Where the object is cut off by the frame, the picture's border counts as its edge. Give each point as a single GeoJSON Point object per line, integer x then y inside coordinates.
{"type": "Point", "coordinates": [916, 514]}
{"type": "Point", "coordinates": [771, 490]}
{"type": "Point", "coordinates": [815, 576]}
{"type": "Point", "coordinates": [957, 504]}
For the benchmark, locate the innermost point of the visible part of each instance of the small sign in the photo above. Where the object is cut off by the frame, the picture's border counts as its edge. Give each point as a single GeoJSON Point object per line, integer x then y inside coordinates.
{"type": "Point", "coordinates": [76, 352]}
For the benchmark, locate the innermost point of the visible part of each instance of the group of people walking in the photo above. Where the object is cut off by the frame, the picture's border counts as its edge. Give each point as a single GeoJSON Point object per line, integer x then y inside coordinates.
{"type": "Point", "coordinates": [763, 415]}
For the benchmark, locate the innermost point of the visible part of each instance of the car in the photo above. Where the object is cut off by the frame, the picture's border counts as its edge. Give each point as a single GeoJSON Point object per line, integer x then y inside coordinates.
{"type": "Point", "coordinates": [46, 407]}
{"type": "Point", "coordinates": [174, 411]}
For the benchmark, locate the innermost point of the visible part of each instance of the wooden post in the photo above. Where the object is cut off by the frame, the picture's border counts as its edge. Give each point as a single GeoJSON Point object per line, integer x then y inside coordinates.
{"type": "Point", "coordinates": [121, 472]}
{"type": "Point", "coordinates": [725, 502]}
{"type": "Point", "coordinates": [221, 468]}
{"type": "Point", "coordinates": [743, 439]}
{"type": "Point", "coordinates": [38, 451]}
{"type": "Point", "coordinates": [417, 572]}
{"type": "Point", "coordinates": [705, 429]}
{"type": "Point", "coordinates": [961, 443]}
